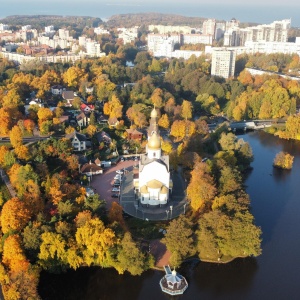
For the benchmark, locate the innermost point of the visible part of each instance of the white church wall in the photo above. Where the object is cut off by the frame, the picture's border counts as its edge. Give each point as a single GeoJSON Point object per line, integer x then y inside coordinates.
{"type": "Point", "coordinates": [156, 171]}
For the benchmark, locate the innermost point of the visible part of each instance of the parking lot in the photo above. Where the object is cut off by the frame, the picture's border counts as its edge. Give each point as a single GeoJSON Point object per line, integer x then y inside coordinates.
{"type": "Point", "coordinates": [103, 183]}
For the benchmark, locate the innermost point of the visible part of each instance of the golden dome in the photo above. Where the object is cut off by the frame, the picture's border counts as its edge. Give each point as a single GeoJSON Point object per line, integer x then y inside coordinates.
{"type": "Point", "coordinates": [154, 142]}
{"type": "Point", "coordinates": [153, 113]}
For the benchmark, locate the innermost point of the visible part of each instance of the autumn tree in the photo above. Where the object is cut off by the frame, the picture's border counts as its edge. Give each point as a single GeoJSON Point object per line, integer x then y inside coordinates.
{"type": "Point", "coordinates": [3, 151]}
{"type": "Point", "coordinates": [16, 136]}
{"type": "Point", "coordinates": [169, 106]}
{"type": "Point", "coordinates": [44, 114]}
{"type": "Point", "coordinates": [73, 76]}
{"type": "Point", "coordinates": [283, 160]}
{"type": "Point", "coordinates": [22, 152]}
{"type": "Point", "coordinates": [14, 216]}
{"type": "Point", "coordinates": [29, 125]}
{"type": "Point", "coordinates": [201, 189]}
{"type": "Point", "coordinates": [164, 121]}
{"type": "Point", "coordinates": [157, 98]}
{"type": "Point", "coordinates": [113, 108]}
{"type": "Point", "coordinates": [52, 249]}
{"type": "Point", "coordinates": [91, 130]}
{"type": "Point", "coordinates": [179, 240]}
{"type": "Point", "coordinates": [186, 110]}
{"type": "Point", "coordinates": [115, 214]}
{"type": "Point", "coordinates": [5, 121]}
{"type": "Point", "coordinates": [94, 242]}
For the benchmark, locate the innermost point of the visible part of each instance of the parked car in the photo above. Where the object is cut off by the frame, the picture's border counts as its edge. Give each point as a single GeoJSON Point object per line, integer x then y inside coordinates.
{"type": "Point", "coordinates": [116, 184]}
{"type": "Point", "coordinates": [120, 172]}
{"type": "Point", "coordinates": [122, 159]}
{"type": "Point", "coordinates": [118, 177]}
{"type": "Point", "coordinates": [115, 189]}
{"type": "Point", "coordinates": [114, 195]}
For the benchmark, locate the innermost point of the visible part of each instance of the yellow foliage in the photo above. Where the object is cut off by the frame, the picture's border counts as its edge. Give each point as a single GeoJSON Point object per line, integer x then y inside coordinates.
{"type": "Point", "coordinates": [52, 246]}
{"type": "Point", "coordinates": [14, 216]}
{"type": "Point", "coordinates": [22, 152]}
{"type": "Point", "coordinates": [94, 241]}
{"type": "Point", "coordinates": [16, 136]}
{"type": "Point", "coordinates": [13, 255]}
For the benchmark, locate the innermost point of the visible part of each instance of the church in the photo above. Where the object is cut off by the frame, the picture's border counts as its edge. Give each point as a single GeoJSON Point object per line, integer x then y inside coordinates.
{"type": "Point", "coordinates": [152, 183]}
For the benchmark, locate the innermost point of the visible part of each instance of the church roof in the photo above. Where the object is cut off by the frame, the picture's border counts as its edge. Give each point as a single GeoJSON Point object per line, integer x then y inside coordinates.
{"type": "Point", "coordinates": [154, 184]}
{"type": "Point", "coordinates": [153, 113]}
{"type": "Point", "coordinates": [163, 160]}
{"type": "Point", "coordinates": [164, 190]}
{"type": "Point", "coordinates": [144, 189]}
{"type": "Point", "coordinates": [154, 142]}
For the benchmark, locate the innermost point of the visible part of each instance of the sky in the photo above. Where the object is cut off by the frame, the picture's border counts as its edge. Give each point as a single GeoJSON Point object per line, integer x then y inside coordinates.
{"type": "Point", "coordinates": [257, 11]}
{"type": "Point", "coordinates": [155, 2]}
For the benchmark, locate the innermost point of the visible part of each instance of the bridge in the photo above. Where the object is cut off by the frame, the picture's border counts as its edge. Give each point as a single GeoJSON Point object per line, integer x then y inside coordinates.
{"type": "Point", "coordinates": [245, 125]}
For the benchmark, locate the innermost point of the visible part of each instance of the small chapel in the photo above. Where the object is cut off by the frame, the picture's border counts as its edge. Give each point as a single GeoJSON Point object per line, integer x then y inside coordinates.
{"type": "Point", "coordinates": [153, 184]}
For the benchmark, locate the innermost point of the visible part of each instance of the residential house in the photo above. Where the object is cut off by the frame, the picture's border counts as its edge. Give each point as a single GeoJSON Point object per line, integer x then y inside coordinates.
{"type": "Point", "coordinates": [90, 169]}
{"type": "Point", "coordinates": [87, 108]}
{"type": "Point", "coordinates": [102, 120]}
{"type": "Point", "coordinates": [82, 120]}
{"type": "Point", "coordinates": [103, 137]}
{"type": "Point", "coordinates": [69, 97]}
{"type": "Point", "coordinates": [113, 122]}
{"type": "Point", "coordinates": [134, 134]}
{"type": "Point", "coordinates": [78, 141]}
{"type": "Point", "coordinates": [89, 90]}
{"type": "Point", "coordinates": [56, 90]}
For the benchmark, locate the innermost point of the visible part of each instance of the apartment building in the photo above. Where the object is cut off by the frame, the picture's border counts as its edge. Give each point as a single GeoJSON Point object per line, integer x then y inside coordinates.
{"type": "Point", "coordinates": [3, 27]}
{"type": "Point", "coordinates": [197, 39]}
{"type": "Point", "coordinates": [274, 32]}
{"type": "Point", "coordinates": [162, 29]}
{"type": "Point", "coordinates": [209, 27]}
{"type": "Point", "coordinates": [223, 62]}
{"type": "Point", "coordinates": [93, 49]}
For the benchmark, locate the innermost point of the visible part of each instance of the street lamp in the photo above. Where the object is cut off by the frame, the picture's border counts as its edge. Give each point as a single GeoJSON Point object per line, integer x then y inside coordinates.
{"type": "Point", "coordinates": [184, 208]}
{"type": "Point", "coordinates": [171, 210]}
{"type": "Point", "coordinates": [167, 212]}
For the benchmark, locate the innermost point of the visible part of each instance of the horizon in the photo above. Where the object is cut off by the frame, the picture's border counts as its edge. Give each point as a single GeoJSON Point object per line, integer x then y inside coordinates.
{"type": "Point", "coordinates": [262, 13]}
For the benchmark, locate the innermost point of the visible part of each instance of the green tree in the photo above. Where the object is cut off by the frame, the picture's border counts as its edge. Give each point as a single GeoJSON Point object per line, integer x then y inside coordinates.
{"type": "Point", "coordinates": [179, 240]}
{"type": "Point", "coordinates": [130, 258]}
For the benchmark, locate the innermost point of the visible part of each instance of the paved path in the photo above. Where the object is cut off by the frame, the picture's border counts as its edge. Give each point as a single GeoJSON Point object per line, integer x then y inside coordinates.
{"type": "Point", "coordinates": [7, 183]}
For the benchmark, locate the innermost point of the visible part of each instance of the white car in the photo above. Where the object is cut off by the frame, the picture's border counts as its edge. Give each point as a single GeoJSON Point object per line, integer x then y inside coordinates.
{"type": "Point", "coordinates": [117, 178]}
{"type": "Point", "coordinates": [115, 189]}
{"type": "Point", "coordinates": [120, 172]}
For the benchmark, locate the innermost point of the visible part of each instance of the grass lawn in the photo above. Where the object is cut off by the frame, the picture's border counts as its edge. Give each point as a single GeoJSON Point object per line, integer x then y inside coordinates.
{"type": "Point", "coordinates": [147, 230]}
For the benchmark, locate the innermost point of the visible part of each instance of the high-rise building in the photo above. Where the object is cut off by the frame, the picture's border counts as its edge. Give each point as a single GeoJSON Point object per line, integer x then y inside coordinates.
{"type": "Point", "coordinates": [223, 62]}
{"type": "Point", "coordinates": [209, 27]}
{"type": "Point", "coordinates": [274, 32]}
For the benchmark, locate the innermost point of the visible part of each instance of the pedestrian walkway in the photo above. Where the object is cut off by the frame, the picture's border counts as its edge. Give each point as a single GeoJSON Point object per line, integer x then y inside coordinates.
{"type": "Point", "coordinates": [5, 179]}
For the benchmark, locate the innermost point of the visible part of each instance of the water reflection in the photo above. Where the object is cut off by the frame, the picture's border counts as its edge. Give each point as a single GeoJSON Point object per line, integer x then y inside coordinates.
{"type": "Point", "coordinates": [280, 175]}
{"type": "Point", "coordinates": [224, 279]}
